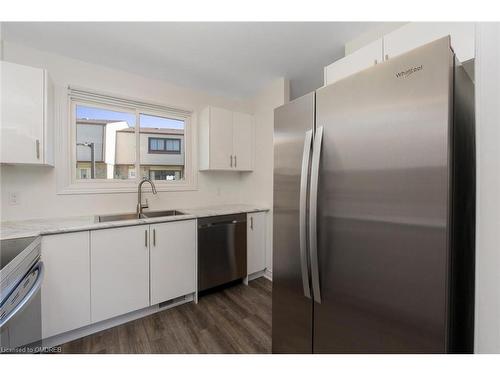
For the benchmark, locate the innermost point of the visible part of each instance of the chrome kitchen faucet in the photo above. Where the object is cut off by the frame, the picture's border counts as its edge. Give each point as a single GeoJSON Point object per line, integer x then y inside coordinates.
{"type": "Point", "coordinates": [140, 205]}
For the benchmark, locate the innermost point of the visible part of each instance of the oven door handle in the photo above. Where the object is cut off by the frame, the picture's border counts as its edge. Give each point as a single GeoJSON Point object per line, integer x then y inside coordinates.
{"type": "Point", "coordinates": [28, 297]}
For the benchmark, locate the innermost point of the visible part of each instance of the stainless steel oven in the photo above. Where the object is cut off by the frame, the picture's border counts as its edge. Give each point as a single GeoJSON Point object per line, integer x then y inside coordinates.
{"type": "Point", "coordinates": [21, 276]}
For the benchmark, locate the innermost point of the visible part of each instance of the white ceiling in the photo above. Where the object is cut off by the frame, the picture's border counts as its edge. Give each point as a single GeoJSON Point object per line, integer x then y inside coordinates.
{"type": "Point", "coordinates": [225, 58]}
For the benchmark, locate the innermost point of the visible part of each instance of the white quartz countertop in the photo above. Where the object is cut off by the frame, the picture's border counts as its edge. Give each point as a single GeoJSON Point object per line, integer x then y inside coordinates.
{"type": "Point", "coordinates": [35, 227]}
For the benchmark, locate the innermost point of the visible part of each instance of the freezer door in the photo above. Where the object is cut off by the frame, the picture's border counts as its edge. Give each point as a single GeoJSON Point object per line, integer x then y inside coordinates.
{"type": "Point", "coordinates": [292, 306]}
{"type": "Point", "coordinates": [383, 207]}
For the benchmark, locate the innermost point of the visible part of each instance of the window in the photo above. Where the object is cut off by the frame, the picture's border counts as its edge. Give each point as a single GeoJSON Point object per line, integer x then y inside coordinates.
{"type": "Point", "coordinates": [163, 174]}
{"type": "Point", "coordinates": [105, 143]}
{"type": "Point", "coordinates": [83, 172]}
{"type": "Point", "coordinates": [163, 138]}
{"type": "Point", "coordinates": [115, 142]}
{"type": "Point", "coordinates": [164, 145]}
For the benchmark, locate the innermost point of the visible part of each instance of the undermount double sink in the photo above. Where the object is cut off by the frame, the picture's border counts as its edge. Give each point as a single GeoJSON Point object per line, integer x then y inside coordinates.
{"type": "Point", "coordinates": [133, 216]}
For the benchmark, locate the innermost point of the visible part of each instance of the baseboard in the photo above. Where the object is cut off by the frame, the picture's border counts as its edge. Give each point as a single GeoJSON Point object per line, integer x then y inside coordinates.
{"type": "Point", "coordinates": [268, 275]}
{"type": "Point", "coordinates": [78, 333]}
{"type": "Point", "coordinates": [255, 275]}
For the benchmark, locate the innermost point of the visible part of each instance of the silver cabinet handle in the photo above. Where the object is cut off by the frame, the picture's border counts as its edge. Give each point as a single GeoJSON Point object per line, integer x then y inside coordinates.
{"type": "Point", "coordinates": [251, 222]}
{"type": "Point", "coordinates": [38, 149]}
{"type": "Point", "coordinates": [313, 208]}
{"type": "Point", "coordinates": [231, 157]}
{"type": "Point", "coordinates": [306, 155]}
{"type": "Point", "coordinates": [154, 237]}
{"type": "Point", "coordinates": [235, 164]}
{"type": "Point", "coordinates": [146, 238]}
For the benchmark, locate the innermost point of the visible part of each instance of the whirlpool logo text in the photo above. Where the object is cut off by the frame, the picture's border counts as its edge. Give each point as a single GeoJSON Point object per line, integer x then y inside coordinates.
{"type": "Point", "coordinates": [409, 72]}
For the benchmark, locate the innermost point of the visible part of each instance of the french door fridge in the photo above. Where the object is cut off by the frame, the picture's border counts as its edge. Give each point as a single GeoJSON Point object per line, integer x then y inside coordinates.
{"type": "Point", "coordinates": [373, 237]}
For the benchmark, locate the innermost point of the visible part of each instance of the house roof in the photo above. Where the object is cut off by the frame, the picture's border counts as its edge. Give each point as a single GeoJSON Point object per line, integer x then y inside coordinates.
{"type": "Point", "coordinates": [154, 131]}
{"type": "Point", "coordinates": [144, 130]}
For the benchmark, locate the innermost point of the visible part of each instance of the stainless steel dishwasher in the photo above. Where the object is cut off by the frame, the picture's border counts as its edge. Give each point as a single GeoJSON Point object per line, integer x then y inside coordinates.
{"type": "Point", "coordinates": [222, 250]}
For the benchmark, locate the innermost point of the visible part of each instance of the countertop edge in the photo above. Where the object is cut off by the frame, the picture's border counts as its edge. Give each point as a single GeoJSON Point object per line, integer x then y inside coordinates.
{"type": "Point", "coordinates": [60, 229]}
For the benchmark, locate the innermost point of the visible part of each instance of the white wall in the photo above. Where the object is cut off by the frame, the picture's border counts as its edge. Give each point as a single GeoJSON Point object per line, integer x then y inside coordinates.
{"type": "Point", "coordinates": [276, 94]}
{"type": "Point", "coordinates": [487, 325]}
{"type": "Point", "coordinates": [1, 41]}
{"type": "Point", "coordinates": [36, 186]}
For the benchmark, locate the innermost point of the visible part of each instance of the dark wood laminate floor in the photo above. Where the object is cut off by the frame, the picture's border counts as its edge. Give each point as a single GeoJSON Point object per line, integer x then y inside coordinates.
{"type": "Point", "coordinates": [234, 320]}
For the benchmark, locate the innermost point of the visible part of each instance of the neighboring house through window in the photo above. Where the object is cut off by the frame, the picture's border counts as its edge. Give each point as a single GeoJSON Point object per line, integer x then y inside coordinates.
{"type": "Point", "coordinates": [112, 142]}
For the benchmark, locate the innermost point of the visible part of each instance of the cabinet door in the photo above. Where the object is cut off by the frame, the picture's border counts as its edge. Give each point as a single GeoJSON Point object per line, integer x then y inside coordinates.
{"type": "Point", "coordinates": [22, 121]}
{"type": "Point", "coordinates": [120, 271]}
{"type": "Point", "coordinates": [221, 138]}
{"type": "Point", "coordinates": [173, 260]}
{"type": "Point", "coordinates": [361, 59]}
{"type": "Point", "coordinates": [243, 138]}
{"type": "Point", "coordinates": [256, 242]}
{"type": "Point", "coordinates": [416, 34]}
{"type": "Point", "coordinates": [66, 285]}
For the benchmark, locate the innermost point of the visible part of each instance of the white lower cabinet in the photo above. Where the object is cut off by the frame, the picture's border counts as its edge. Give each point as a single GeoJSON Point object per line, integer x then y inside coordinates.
{"type": "Point", "coordinates": [66, 284]}
{"type": "Point", "coordinates": [120, 271]}
{"type": "Point", "coordinates": [256, 242]}
{"type": "Point", "coordinates": [173, 260]}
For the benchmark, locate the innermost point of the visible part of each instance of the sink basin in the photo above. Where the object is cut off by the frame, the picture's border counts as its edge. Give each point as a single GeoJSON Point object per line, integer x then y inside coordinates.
{"type": "Point", "coordinates": [117, 217]}
{"type": "Point", "coordinates": [163, 213]}
{"type": "Point", "coordinates": [133, 216]}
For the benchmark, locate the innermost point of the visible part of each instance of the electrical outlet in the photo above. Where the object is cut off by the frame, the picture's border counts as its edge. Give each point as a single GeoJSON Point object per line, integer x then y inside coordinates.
{"type": "Point", "coordinates": [14, 198]}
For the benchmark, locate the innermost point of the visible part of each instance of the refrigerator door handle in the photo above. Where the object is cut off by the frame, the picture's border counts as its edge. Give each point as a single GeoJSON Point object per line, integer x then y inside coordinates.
{"type": "Point", "coordinates": [306, 156]}
{"type": "Point", "coordinates": [313, 207]}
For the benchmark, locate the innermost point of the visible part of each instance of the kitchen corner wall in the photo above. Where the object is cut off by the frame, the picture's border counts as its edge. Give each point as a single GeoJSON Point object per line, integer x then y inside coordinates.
{"type": "Point", "coordinates": [487, 319]}
{"type": "Point", "coordinates": [35, 186]}
{"type": "Point", "coordinates": [275, 95]}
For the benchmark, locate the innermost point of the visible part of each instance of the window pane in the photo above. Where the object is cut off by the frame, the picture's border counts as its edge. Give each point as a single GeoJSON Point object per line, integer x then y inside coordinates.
{"type": "Point", "coordinates": [173, 145]}
{"type": "Point", "coordinates": [105, 143]}
{"type": "Point", "coordinates": [162, 148]}
{"type": "Point", "coordinates": [161, 144]}
{"type": "Point", "coordinates": [153, 144]}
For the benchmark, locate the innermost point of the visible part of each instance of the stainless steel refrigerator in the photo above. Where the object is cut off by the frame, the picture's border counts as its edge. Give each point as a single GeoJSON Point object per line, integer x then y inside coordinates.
{"type": "Point", "coordinates": [374, 205]}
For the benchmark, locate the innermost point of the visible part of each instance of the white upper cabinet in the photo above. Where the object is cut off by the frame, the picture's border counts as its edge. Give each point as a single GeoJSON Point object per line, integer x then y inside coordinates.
{"type": "Point", "coordinates": [226, 140]}
{"type": "Point", "coordinates": [220, 138]}
{"type": "Point", "coordinates": [361, 59]}
{"type": "Point", "coordinates": [26, 122]}
{"type": "Point", "coordinates": [256, 242]}
{"type": "Point", "coordinates": [404, 39]}
{"type": "Point", "coordinates": [119, 271]}
{"type": "Point", "coordinates": [173, 260]}
{"type": "Point", "coordinates": [416, 34]}
{"type": "Point", "coordinates": [66, 285]}
{"type": "Point", "coordinates": [243, 141]}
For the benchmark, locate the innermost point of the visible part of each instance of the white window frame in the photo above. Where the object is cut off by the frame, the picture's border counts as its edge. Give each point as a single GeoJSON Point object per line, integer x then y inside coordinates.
{"type": "Point", "coordinates": [66, 155]}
